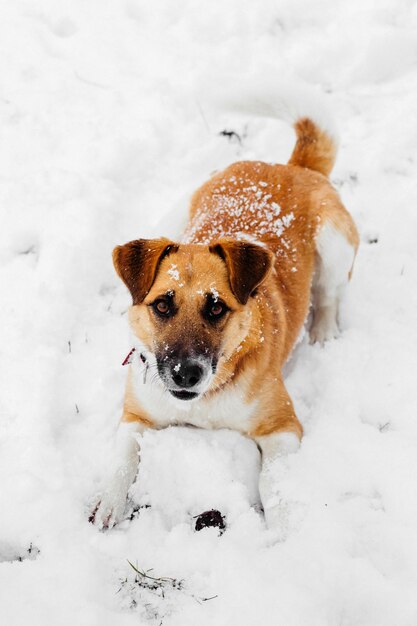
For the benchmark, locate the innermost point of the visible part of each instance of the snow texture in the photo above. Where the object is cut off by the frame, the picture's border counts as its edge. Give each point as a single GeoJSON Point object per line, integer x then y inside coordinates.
{"type": "Point", "coordinates": [106, 125]}
{"type": "Point", "coordinates": [243, 195]}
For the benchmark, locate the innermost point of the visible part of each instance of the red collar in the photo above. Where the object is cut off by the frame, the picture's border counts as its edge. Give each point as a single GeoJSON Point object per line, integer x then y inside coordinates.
{"type": "Point", "coordinates": [129, 357]}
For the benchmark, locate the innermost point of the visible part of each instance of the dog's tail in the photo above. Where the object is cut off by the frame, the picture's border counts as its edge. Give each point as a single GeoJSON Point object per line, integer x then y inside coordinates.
{"type": "Point", "coordinates": [315, 148]}
{"type": "Point", "coordinates": [300, 105]}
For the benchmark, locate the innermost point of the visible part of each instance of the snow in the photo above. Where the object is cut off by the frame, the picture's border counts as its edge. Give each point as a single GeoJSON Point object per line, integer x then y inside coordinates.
{"type": "Point", "coordinates": [173, 272]}
{"type": "Point", "coordinates": [245, 197]}
{"type": "Point", "coordinates": [104, 128]}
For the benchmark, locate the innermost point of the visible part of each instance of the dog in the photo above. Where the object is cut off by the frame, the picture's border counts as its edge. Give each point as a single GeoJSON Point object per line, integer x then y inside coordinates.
{"type": "Point", "coordinates": [215, 316]}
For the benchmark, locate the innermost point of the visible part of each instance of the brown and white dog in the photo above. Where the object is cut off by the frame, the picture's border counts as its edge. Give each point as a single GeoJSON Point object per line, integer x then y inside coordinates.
{"type": "Point", "coordinates": [216, 315]}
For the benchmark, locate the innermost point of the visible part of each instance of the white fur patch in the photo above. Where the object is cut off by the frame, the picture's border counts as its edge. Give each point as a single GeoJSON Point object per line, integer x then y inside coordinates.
{"type": "Point", "coordinates": [225, 410]}
{"type": "Point", "coordinates": [277, 444]}
{"type": "Point", "coordinates": [275, 449]}
{"type": "Point", "coordinates": [336, 260]}
{"type": "Point", "coordinates": [124, 464]}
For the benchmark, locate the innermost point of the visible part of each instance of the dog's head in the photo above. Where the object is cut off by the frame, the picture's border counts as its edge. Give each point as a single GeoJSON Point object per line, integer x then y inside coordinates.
{"type": "Point", "coordinates": [193, 306]}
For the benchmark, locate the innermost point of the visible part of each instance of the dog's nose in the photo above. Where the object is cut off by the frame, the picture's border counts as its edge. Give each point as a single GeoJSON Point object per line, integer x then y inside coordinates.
{"type": "Point", "coordinates": [187, 374]}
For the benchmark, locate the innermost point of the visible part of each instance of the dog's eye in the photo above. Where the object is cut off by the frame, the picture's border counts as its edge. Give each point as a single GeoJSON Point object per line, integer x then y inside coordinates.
{"type": "Point", "coordinates": [216, 309]}
{"type": "Point", "coordinates": [162, 307]}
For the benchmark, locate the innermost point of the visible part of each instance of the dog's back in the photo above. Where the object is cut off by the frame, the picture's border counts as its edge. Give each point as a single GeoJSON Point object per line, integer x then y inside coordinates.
{"type": "Point", "coordinates": [282, 207]}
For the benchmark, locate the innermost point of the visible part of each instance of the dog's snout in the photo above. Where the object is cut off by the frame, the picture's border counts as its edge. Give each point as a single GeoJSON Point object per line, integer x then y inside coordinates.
{"type": "Point", "coordinates": [187, 374]}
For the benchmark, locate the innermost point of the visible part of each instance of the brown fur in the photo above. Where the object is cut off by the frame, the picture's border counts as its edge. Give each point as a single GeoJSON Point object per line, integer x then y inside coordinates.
{"type": "Point", "coordinates": [247, 265]}
{"type": "Point", "coordinates": [137, 262]}
{"type": "Point", "coordinates": [314, 149]}
{"type": "Point", "coordinates": [280, 207]}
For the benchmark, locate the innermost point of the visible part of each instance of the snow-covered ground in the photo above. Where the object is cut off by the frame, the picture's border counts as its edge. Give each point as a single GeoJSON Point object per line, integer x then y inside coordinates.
{"type": "Point", "coordinates": [99, 138]}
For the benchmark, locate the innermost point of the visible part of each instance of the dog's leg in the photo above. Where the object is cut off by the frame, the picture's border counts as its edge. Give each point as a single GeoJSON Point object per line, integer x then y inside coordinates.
{"type": "Point", "coordinates": [111, 506]}
{"type": "Point", "coordinates": [274, 449]}
{"type": "Point", "coordinates": [335, 255]}
{"type": "Point", "coordinates": [278, 434]}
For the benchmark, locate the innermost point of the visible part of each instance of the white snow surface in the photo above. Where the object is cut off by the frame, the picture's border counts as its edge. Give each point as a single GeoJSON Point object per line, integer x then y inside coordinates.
{"type": "Point", "coordinates": [99, 139]}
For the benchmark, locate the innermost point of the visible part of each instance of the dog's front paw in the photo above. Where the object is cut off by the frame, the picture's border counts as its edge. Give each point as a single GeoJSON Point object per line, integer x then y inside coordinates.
{"type": "Point", "coordinates": [110, 508]}
{"type": "Point", "coordinates": [108, 512]}
{"type": "Point", "coordinates": [283, 503]}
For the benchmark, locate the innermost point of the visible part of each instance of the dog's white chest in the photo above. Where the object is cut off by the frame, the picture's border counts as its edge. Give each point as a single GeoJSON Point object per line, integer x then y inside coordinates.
{"type": "Point", "coordinates": [226, 409]}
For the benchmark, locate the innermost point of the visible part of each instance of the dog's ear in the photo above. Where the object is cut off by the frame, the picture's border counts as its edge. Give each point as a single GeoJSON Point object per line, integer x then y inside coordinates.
{"type": "Point", "coordinates": [137, 264]}
{"type": "Point", "coordinates": [248, 265]}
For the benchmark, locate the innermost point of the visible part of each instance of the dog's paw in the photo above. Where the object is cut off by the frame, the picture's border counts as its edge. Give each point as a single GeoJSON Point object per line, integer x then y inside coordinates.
{"type": "Point", "coordinates": [283, 503]}
{"type": "Point", "coordinates": [107, 513]}
{"type": "Point", "coordinates": [323, 330]}
{"type": "Point", "coordinates": [109, 510]}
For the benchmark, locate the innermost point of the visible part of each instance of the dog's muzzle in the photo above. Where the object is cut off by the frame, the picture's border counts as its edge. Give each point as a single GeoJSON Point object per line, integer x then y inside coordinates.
{"type": "Point", "coordinates": [186, 378]}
